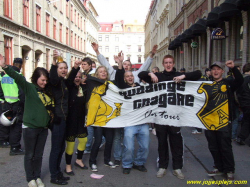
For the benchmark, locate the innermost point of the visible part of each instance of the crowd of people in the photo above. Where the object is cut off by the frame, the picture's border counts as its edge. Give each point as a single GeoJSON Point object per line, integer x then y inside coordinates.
{"type": "Point", "coordinates": [58, 100]}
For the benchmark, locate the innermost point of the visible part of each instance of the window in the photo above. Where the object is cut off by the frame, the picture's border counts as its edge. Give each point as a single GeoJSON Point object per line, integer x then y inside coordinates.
{"type": "Point", "coordinates": [60, 32]}
{"type": "Point", "coordinates": [71, 38]}
{"type": "Point", "coordinates": [129, 47]}
{"type": "Point", "coordinates": [107, 49]}
{"type": "Point", "coordinates": [84, 25]}
{"type": "Point", "coordinates": [117, 28]}
{"type": "Point", "coordinates": [99, 38]}
{"type": "Point", "coordinates": [54, 4]}
{"type": "Point", "coordinates": [117, 39]}
{"type": "Point", "coordinates": [67, 9]}
{"type": "Point", "coordinates": [239, 39]}
{"type": "Point", "coordinates": [107, 28]}
{"type": "Point", "coordinates": [54, 28]}
{"type": "Point", "coordinates": [71, 13]}
{"type": "Point", "coordinates": [26, 12]}
{"type": "Point", "coordinates": [84, 45]}
{"type": "Point", "coordinates": [75, 41]}
{"type": "Point", "coordinates": [67, 36]}
{"type": "Point", "coordinates": [81, 45]}
{"type": "Point", "coordinates": [116, 48]}
{"type": "Point", "coordinates": [81, 24]}
{"type": "Point", "coordinates": [47, 24]}
{"type": "Point", "coordinates": [60, 7]}
{"type": "Point", "coordinates": [78, 42]}
{"type": "Point", "coordinates": [100, 48]}
{"type": "Point", "coordinates": [78, 20]}
{"type": "Point", "coordinates": [139, 59]}
{"type": "Point", "coordinates": [139, 48]}
{"type": "Point", "coordinates": [129, 29]}
{"type": "Point", "coordinates": [38, 18]}
{"type": "Point", "coordinates": [106, 38]}
{"type": "Point", "coordinates": [8, 50]}
{"type": "Point", "coordinates": [47, 59]}
{"type": "Point", "coordinates": [75, 17]}
{"type": "Point", "coordinates": [8, 8]}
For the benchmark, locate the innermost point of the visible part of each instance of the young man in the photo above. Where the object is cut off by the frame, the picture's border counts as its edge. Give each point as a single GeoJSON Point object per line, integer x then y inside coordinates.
{"type": "Point", "coordinates": [243, 94]}
{"type": "Point", "coordinates": [155, 69]}
{"type": "Point", "coordinates": [125, 79]}
{"type": "Point", "coordinates": [165, 131]}
{"type": "Point", "coordinates": [219, 141]}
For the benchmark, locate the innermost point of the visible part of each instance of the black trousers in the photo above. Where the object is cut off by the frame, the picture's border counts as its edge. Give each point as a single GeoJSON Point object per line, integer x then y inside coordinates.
{"type": "Point", "coordinates": [34, 142]}
{"type": "Point", "coordinates": [220, 146]}
{"type": "Point", "coordinates": [163, 133]}
{"type": "Point", "coordinates": [13, 133]}
{"type": "Point", "coordinates": [108, 133]}
{"type": "Point", "coordinates": [245, 127]}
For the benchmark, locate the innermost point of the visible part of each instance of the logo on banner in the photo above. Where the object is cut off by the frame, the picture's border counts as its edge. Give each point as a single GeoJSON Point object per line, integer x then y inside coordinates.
{"type": "Point", "coordinates": [218, 34]}
{"type": "Point", "coordinates": [214, 114]}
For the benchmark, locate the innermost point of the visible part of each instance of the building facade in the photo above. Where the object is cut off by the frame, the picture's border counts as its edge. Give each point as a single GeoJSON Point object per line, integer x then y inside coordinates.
{"type": "Point", "coordinates": [192, 23]}
{"type": "Point", "coordinates": [32, 29]}
{"type": "Point", "coordinates": [126, 37]}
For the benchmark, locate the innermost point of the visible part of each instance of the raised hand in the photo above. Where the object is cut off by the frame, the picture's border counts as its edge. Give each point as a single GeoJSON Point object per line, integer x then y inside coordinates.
{"type": "Point", "coordinates": [121, 56]}
{"type": "Point", "coordinates": [154, 78]}
{"type": "Point", "coordinates": [154, 50]}
{"type": "Point", "coordinates": [230, 64]}
{"type": "Point", "coordinates": [95, 47]}
{"type": "Point", "coordinates": [55, 56]}
{"type": "Point", "coordinates": [2, 61]}
{"type": "Point", "coordinates": [77, 64]}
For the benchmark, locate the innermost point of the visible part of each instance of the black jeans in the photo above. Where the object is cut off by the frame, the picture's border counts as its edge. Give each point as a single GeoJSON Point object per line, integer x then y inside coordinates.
{"type": "Point", "coordinates": [220, 146]}
{"type": "Point", "coordinates": [98, 133]}
{"type": "Point", "coordinates": [176, 146]}
{"type": "Point", "coordinates": [34, 142]}
{"type": "Point", "coordinates": [57, 148]}
{"type": "Point", "coordinates": [245, 127]}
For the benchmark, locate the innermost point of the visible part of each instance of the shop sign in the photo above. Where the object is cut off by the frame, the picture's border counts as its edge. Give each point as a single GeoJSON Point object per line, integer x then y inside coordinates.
{"type": "Point", "coordinates": [194, 45]}
{"type": "Point", "coordinates": [218, 34]}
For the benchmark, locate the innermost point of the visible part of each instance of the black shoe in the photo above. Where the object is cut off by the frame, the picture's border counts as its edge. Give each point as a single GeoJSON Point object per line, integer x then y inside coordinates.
{"type": "Point", "coordinates": [240, 141]}
{"type": "Point", "coordinates": [117, 163]}
{"type": "Point", "coordinates": [58, 181]}
{"type": "Point", "coordinates": [16, 151]}
{"type": "Point", "coordinates": [140, 168]}
{"type": "Point", "coordinates": [84, 167]}
{"type": "Point", "coordinates": [71, 173]}
{"type": "Point", "coordinates": [61, 177]}
{"type": "Point", "coordinates": [4, 144]}
{"type": "Point", "coordinates": [126, 170]}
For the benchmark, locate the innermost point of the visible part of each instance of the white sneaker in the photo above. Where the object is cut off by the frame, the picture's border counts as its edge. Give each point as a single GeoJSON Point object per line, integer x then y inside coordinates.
{"type": "Point", "coordinates": [196, 132]}
{"type": "Point", "coordinates": [93, 167]}
{"type": "Point", "coordinates": [86, 152]}
{"type": "Point", "coordinates": [154, 132]}
{"type": "Point", "coordinates": [161, 172]}
{"type": "Point", "coordinates": [32, 183]}
{"type": "Point", "coordinates": [178, 174]}
{"type": "Point", "coordinates": [39, 183]}
{"type": "Point", "coordinates": [110, 164]}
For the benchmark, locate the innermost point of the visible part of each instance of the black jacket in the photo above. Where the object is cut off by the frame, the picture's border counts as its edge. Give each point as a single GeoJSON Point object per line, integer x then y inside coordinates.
{"type": "Point", "coordinates": [243, 93]}
{"type": "Point", "coordinates": [60, 90]}
{"type": "Point", "coordinates": [119, 79]}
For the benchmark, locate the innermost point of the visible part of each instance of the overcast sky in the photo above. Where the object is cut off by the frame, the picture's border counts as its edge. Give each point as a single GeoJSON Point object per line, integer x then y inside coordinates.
{"type": "Point", "coordinates": [127, 10]}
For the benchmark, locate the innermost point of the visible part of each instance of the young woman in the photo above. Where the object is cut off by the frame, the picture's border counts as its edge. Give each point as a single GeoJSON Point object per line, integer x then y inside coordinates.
{"type": "Point", "coordinates": [101, 74]}
{"type": "Point", "coordinates": [60, 85]}
{"type": "Point", "coordinates": [75, 124]}
{"type": "Point", "coordinates": [38, 111]}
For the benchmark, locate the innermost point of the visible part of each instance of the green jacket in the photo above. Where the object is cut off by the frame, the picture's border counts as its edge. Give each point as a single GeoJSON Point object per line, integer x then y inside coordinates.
{"type": "Point", "coordinates": [35, 114]}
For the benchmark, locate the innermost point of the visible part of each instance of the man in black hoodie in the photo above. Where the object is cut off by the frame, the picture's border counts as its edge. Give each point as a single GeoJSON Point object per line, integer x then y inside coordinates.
{"type": "Point", "coordinates": [163, 131]}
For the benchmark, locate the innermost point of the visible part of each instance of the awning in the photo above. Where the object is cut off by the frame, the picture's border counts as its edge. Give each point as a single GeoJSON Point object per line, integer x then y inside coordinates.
{"type": "Point", "coordinates": [199, 27]}
{"type": "Point", "coordinates": [177, 41]}
{"type": "Point", "coordinates": [189, 33]}
{"type": "Point", "coordinates": [213, 17]}
{"type": "Point", "coordinates": [171, 46]}
{"type": "Point", "coordinates": [137, 66]}
{"type": "Point", "coordinates": [183, 38]}
{"type": "Point", "coordinates": [228, 10]}
{"type": "Point", "coordinates": [243, 4]}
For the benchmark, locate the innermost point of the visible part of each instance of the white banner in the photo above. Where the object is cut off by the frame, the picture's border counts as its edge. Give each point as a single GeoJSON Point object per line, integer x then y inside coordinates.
{"type": "Point", "coordinates": [165, 103]}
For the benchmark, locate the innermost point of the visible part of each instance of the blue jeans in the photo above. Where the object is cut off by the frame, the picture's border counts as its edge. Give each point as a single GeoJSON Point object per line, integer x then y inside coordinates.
{"type": "Point", "coordinates": [57, 148]}
{"type": "Point", "coordinates": [141, 132]}
{"type": "Point", "coordinates": [235, 122]}
{"type": "Point", "coordinates": [118, 134]}
{"type": "Point", "coordinates": [90, 138]}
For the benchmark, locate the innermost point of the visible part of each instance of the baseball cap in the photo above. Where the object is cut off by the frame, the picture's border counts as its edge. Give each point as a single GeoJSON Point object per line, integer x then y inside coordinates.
{"type": "Point", "coordinates": [183, 69]}
{"type": "Point", "coordinates": [207, 69]}
{"type": "Point", "coordinates": [216, 64]}
{"type": "Point", "coordinates": [18, 60]}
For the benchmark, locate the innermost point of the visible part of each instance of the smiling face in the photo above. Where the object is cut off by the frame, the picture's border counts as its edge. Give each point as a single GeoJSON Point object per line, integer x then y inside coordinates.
{"type": "Point", "coordinates": [42, 81]}
{"type": "Point", "coordinates": [102, 73]}
{"type": "Point", "coordinates": [168, 64]}
{"type": "Point", "coordinates": [129, 78]}
{"type": "Point", "coordinates": [78, 79]}
{"type": "Point", "coordinates": [127, 65]}
{"type": "Point", "coordinates": [85, 66]}
{"type": "Point", "coordinates": [62, 69]}
{"type": "Point", "coordinates": [217, 73]}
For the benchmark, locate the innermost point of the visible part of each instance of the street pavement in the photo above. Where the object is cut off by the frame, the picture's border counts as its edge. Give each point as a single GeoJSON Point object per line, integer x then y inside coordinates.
{"type": "Point", "coordinates": [197, 161]}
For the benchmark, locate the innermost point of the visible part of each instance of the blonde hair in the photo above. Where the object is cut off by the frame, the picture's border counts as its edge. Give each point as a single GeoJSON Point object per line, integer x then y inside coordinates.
{"type": "Point", "coordinates": [96, 72]}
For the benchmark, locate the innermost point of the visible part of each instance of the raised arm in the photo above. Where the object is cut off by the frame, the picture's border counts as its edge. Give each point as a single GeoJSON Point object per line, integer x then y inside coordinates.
{"type": "Point", "coordinates": [103, 61]}
{"type": "Point", "coordinates": [54, 78]}
{"type": "Point", "coordinates": [73, 73]}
